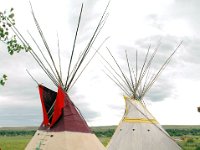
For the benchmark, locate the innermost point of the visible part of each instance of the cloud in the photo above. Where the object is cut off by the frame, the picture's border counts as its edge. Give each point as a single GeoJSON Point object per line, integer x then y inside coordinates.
{"type": "Point", "coordinates": [161, 90]}
{"type": "Point", "coordinates": [191, 50]}
{"type": "Point", "coordinates": [83, 104]}
{"type": "Point", "coordinates": [20, 115]}
{"type": "Point", "coordinates": [89, 114]}
{"type": "Point", "coordinates": [188, 10]}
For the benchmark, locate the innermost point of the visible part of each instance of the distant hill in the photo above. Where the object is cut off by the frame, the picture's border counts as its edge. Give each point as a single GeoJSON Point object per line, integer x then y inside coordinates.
{"type": "Point", "coordinates": [104, 128]}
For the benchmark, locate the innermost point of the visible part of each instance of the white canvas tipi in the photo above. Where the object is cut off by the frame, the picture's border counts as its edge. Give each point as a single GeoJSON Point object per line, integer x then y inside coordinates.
{"type": "Point", "coordinates": [138, 129]}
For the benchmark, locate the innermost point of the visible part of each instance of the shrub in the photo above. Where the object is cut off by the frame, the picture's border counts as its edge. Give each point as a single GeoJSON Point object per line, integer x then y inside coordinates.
{"type": "Point", "coordinates": [190, 140]}
{"type": "Point", "coordinates": [198, 148]}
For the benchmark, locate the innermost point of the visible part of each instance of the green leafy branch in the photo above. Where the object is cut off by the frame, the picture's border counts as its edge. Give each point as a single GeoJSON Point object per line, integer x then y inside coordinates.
{"type": "Point", "coordinates": [8, 36]}
{"type": "Point", "coordinates": [7, 23]}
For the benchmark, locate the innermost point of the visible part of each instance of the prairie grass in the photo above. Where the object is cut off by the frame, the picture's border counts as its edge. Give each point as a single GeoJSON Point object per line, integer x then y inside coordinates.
{"type": "Point", "coordinates": [17, 138]}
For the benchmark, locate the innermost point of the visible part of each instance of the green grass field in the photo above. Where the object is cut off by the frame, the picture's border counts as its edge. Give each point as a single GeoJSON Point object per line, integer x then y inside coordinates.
{"type": "Point", "coordinates": [14, 142]}
{"type": "Point", "coordinates": [188, 137]}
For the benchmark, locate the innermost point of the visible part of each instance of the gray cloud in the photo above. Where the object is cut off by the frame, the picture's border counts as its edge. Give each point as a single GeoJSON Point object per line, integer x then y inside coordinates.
{"type": "Point", "coordinates": [89, 114]}
{"type": "Point", "coordinates": [162, 89]}
{"type": "Point", "coordinates": [83, 105]}
{"type": "Point", "coordinates": [178, 9]}
{"type": "Point", "coordinates": [167, 45]}
{"type": "Point", "coordinates": [120, 109]}
{"type": "Point", "coordinates": [20, 115]}
{"type": "Point", "coordinates": [188, 10]}
{"type": "Point", "coordinates": [191, 50]}
{"type": "Point", "coordinates": [155, 21]}
{"type": "Point", "coordinates": [92, 12]}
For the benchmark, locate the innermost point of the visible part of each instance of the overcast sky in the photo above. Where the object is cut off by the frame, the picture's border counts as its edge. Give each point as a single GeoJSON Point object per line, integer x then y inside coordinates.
{"type": "Point", "coordinates": [131, 25]}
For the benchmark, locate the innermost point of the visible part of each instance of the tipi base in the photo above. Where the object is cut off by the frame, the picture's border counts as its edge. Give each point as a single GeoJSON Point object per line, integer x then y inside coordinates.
{"type": "Point", "coordinates": [43, 140]}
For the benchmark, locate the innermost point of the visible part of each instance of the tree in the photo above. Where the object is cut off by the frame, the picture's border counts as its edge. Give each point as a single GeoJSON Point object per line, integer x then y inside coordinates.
{"type": "Point", "coordinates": [7, 22]}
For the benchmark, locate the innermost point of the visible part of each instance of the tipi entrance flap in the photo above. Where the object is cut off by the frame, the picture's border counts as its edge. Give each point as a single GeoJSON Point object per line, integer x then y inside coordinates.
{"type": "Point", "coordinates": [47, 98]}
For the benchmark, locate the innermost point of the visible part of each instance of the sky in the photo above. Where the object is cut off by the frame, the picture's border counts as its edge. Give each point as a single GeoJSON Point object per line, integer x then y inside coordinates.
{"type": "Point", "coordinates": [131, 25]}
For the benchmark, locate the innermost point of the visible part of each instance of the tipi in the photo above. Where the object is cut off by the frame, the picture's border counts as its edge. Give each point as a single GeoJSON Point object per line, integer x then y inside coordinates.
{"type": "Point", "coordinates": [63, 127]}
{"type": "Point", "coordinates": [138, 129]}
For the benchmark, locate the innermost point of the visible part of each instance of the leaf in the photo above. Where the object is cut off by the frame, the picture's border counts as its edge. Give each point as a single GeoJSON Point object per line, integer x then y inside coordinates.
{"type": "Point", "coordinates": [2, 82]}
{"type": "Point", "coordinates": [9, 24]}
{"type": "Point", "coordinates": [5, 77]}
{"type": "Point", "coordinates": [11, 15]}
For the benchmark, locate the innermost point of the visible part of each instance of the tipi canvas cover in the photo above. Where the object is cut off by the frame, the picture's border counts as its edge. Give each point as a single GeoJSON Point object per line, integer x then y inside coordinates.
{"type": "Point", "coordinates": [63, 127]}
{"type": "Point", "coordinates": [66, 129]}
{"type": "Point", "coordinates": [138, 129]}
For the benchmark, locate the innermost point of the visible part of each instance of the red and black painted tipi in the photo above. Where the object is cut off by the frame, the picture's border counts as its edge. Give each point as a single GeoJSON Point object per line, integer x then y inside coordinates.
{"type": "Point", "coordinates": [63, 126]}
